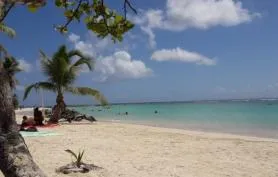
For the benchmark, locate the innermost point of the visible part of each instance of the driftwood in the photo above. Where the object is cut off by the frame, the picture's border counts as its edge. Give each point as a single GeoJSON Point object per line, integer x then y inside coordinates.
{"type": "Point", "coordinates": [73, 168]}
{"type": "Point", "coordinates": [71, 115]}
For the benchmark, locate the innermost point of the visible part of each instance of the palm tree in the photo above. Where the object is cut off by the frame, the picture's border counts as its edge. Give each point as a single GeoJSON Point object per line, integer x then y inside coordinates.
{"type": "Point", "coordinates": [61, 72]}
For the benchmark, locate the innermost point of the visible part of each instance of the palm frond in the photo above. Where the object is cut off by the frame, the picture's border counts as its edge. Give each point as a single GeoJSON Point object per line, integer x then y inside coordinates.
{"type": "Point", "coordinates": [62, 54]}
{"type": "Point", "coordinates": [82, 59]}
{"type": "Point", "coordinates": [88, 91]}
{"type": "Point", "coordinates": [11, 65]}
{"type": "Point", "coordinates": [38, 85]}
{"type": "Point", "coordinates": [3, 50]}
{"type": "Point", "coordinates": [44, 56]}
{"type": "Point", "coordinates": [46, 64]}
{"type": "Point", "coordinates": [7, 30]}
{"type": "Point", "coordinates": [56, 68]}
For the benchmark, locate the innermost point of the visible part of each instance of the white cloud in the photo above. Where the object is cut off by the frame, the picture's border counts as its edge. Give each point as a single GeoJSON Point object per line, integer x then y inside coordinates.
{"type": "Point", "coordinates": [86, 48]}
{"type": "Point", "coordinates": [24, 65]}
{"type": "Point", "coordinates": [74, 38]}
{"type": "Point", "coordinates": [180, 15]}
{"type": "Point", "coordinates": [103, 43]}
{"type": "Point", "coordinates": [202, 14]}
{"type": "Point", "coordinates": [154, 18]}
{"type": "Point", "coordinates": [94, 46]}
{"type": "Point", "coordinates": [179, 54]}
{"type": "Point", "coordinates": [120, 65]}
{"type": "Point", "coordinates": [151, 36]}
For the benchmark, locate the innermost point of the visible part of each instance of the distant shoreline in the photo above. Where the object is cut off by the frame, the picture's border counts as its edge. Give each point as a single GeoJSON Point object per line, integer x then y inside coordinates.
{"type": "Point", "coordinates": [172, 102]}
{"type": "Point", "coordinates": [192, 101]}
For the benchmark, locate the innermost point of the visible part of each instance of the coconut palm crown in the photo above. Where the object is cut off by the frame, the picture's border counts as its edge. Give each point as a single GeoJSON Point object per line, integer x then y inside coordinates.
{"type": "Point", "coordinates": [61, 71]}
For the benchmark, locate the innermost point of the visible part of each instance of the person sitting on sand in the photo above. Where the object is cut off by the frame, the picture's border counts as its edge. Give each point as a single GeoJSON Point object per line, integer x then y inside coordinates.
{"type": "Point", "coordinates": [29, 123]}
{"type": "Point", "coordinates": [38, 117]}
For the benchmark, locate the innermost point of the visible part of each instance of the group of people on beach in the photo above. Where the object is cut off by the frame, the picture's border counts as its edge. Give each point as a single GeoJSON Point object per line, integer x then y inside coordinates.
{"type": "Point", "coordinates": [37, 120]}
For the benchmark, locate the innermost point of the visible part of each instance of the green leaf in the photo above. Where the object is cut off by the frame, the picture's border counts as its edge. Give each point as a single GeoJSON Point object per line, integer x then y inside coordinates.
{"type": "Point", "coordinates": [68, 13]}
{"type": "Point", "coordinates": [85, 7]}
{"type": "Point", "coordinates": [58, 3]}
{"type": "Point", "coordinates": [70, 3]}
{"type": "Point", "coordinates": [32, 8]}
{"type": "Point", "coordinates": [79, 158]}
{"type": "Point", "coordinates": [78, 14]}
{"type": "Point", "coordinates": [72, 153]}
{"type": "Point", "coordinates": [88, 19]}
{"type": "Point", "coordinates": [118, 18]}
{"type": "Point", "coordinates": [107, 11]}
{"type": "Point", "coordinates": [61, 29]}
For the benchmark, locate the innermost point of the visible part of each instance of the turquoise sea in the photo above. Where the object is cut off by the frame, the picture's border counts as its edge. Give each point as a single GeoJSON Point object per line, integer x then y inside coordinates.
{"type": "Point", "coordinates": [244, 117]}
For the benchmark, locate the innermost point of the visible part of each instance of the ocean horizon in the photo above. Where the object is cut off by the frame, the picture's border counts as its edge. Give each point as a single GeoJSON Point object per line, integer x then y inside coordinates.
{"type": "Point", "coordinates": [252, 117]}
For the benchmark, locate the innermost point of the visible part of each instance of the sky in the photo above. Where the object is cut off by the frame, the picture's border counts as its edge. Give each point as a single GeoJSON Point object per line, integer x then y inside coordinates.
{"type": "Point", "coordinates": [179, 50]}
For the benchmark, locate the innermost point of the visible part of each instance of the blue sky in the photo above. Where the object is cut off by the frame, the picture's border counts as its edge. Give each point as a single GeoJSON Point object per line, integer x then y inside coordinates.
{"type": "Point", "coordinates": [179, 50]}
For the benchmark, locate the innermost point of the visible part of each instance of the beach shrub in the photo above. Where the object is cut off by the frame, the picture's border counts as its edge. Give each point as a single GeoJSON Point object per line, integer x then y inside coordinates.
{"type": "Point", "coordinates": [78, 157]}
{"type": "Point", "coordinates": [77, 166]}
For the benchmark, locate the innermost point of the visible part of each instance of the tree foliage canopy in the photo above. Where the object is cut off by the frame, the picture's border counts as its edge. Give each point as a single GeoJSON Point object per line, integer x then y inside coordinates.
{"type": "Point", "coordinates": [95, 14]}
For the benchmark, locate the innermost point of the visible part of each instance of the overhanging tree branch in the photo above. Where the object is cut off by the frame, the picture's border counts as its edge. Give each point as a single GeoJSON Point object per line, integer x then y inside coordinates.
{"type": "Point", "coordinates": [6, 7]}
{"type": "Point", "coordinates": [127, 3]}
{"type": "Point", "coordinates": [74, 13]}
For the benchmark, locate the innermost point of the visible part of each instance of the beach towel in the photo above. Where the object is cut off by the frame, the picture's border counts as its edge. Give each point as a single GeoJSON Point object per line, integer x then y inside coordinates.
{"type": "Point", "coordinates": [47, 125]}
{"type": "Point", "coordinates": [39, 134]}
{"type": "Point", "coordinates": [40, 126]}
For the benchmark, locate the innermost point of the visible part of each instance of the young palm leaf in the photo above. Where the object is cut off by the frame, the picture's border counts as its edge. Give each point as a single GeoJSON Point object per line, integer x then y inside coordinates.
{"type": "Point", "coordinates": [78, 157]}
{"type": "Point", "coordinates": [72, 153]}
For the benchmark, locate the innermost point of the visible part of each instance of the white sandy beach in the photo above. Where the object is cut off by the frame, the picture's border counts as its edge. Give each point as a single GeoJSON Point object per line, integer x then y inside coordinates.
{"type": "Point", "coordinates": [141, 151]}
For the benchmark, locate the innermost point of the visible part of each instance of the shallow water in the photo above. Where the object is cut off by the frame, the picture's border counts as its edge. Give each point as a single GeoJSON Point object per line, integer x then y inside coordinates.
{"type": "Point", "coordinates": [256, 118]}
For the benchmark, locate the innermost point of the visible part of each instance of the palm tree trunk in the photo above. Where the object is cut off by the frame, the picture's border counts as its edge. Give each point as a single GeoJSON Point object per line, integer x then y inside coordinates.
{"type": "Point", "coordinates": [58, 108]}
{"type": "Point", "coordinates": [15, 158]}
